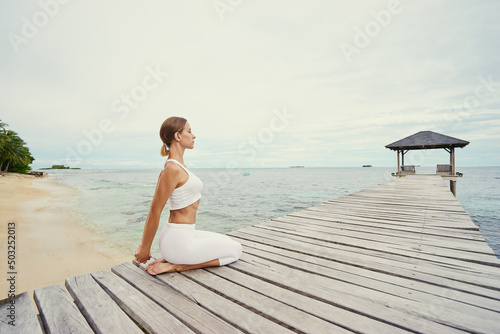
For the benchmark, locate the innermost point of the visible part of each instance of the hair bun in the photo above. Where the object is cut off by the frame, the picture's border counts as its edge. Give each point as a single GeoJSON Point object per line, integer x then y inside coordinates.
{"type": "Point", "coordinates": [164, 150]}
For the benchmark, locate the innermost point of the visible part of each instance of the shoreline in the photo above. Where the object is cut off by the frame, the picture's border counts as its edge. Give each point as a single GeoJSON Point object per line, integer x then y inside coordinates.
{"type": "Point", "coordinates": [51, 243]}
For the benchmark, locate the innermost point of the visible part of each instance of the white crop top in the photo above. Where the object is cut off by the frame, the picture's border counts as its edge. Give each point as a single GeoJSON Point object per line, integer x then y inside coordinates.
{"type": "Point", "coordinates": [186, 194]}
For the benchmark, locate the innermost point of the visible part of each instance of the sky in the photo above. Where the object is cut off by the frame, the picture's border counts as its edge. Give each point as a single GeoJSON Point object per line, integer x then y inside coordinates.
{"type": "Point", "coordinates": [262, 83]}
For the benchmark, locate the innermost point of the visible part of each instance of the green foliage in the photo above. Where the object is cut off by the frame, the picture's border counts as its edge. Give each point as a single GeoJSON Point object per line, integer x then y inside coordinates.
{"type": "Point", "coordinates": [59, 167]}
{"type": "Point", "coordinates": [15, 156]}
{"type": "Point", "coordinates": [20, 168]}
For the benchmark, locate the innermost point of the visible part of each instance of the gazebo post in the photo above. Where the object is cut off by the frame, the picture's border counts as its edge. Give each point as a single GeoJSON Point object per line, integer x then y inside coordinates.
{"type": "Point", "coordinates": [399, 166]}
{"type": "Point", "coordinates": [453, 183]}
{"type": "Point", "coordinates": [452, 160]}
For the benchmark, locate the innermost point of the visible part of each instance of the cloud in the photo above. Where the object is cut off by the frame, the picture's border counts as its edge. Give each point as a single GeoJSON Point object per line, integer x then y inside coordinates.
{"type": "Point", "coordinates": [227, 76]}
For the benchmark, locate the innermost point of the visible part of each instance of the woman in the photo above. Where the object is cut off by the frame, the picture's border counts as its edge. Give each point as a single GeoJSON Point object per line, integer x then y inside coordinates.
{"type": "Point", "coordinates": [182, 247]}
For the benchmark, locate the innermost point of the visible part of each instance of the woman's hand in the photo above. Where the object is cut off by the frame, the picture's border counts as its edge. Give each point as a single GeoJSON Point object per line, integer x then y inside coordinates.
{"type": "Point", "coordinates": [142, 255]}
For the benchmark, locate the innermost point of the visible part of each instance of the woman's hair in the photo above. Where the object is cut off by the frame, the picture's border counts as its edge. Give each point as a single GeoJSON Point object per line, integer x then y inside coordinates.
{"type": "Point", "coordinates": [167, 131]}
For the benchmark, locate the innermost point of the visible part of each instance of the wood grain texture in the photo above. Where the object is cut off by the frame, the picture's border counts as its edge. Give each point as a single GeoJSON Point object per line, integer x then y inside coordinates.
{"type": "Point", "coordinates": [145, 312]}
{"type": "Point", "coordinates": [58, 312]}
{"type": "Point", "coordinates": [186, 310]}
{"type": "Point", "coordinates": [249, 320]}
{"type": "Point", "coordinates": [18, 315]}
{"type": "Point", "coordinates": [101, 312]}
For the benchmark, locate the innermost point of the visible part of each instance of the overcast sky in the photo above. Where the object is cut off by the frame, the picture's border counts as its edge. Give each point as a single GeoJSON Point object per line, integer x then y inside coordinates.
{"type": "Point", "coordinates": [262, 83]}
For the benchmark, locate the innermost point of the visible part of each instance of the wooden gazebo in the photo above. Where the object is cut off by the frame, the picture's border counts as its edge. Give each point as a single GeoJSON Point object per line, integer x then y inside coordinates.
{"type": "Point", "coordinates": [425, 140]}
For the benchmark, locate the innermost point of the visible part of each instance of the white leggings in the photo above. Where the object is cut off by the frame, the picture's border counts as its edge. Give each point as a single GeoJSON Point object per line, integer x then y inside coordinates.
{"type": "Point", "coordinates": [183, 244]}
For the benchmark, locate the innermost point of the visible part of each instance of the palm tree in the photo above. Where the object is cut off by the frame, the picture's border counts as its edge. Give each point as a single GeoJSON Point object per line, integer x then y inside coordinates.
{"type": "Point", "coordinates": [3, 136]}
{"type": "Point", "coordinates": [3, 139]}
{"type": "Point", "coordinates": [14, 150]}
{"type": "Point", "coordinates": [3, 125]}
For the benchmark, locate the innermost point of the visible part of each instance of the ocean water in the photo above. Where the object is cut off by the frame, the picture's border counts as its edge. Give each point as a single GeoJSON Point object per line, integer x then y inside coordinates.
{"type": "Point", "coordinates": [115, 202]}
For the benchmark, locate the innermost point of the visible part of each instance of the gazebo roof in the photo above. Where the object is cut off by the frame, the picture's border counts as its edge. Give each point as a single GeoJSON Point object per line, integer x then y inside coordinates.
{"type": "Point", "coordinates": [426, 140]}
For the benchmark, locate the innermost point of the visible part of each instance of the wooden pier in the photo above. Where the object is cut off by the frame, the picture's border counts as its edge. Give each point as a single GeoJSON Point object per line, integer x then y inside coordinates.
{"type": "Point", "coordinates": [399, 257]}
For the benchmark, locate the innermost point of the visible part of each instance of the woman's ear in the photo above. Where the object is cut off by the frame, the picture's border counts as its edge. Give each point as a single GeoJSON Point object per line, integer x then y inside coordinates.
{"type": "Point", "coordinates": [177, 136]}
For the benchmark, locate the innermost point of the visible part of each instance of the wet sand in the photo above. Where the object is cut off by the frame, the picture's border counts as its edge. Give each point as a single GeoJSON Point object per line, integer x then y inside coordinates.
{"type": "Point", "coordinates": [51, 243]}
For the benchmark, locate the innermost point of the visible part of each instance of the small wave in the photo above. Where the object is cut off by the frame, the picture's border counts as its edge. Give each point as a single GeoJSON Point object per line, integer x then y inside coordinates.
{"type": "Point", "coordinates": [279, 210]}
{"type": "Point", "coordinates": [136, 220]}
{"type": "Point", "coordinates": [129, 213]}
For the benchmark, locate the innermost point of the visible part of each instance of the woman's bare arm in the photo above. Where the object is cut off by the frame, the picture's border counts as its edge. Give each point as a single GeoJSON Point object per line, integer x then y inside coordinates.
{"type": "Point", "coordinates": [167, 182]}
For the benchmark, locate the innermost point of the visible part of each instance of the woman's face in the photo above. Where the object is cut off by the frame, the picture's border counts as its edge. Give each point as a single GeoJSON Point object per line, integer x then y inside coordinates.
{"type": "Point", "coordinates": [187, 137]}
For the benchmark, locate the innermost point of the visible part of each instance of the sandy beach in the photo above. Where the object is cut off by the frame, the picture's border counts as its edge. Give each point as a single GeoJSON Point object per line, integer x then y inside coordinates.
{"type": "Point", "coordinates": [51, 244]}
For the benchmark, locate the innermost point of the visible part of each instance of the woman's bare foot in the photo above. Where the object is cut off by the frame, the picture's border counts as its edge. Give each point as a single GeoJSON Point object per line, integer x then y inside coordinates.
{"type": "Point", "coordinates": [160, 268]}
{"type": "Point", "coordinates": [160, 260]}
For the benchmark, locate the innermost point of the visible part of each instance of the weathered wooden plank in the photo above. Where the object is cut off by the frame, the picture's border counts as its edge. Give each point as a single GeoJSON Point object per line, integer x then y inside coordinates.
{"type": "Point", "coordinates": [466, 271]}
{"type": "Point", "coordinates": [415, 233]}
{"type": "Point", "coordinates": [233, 313]}
{"type": "Point", "coordinates": [186, 310]}
{"type": "Point", "coordinates": [398, 195]}
{"type": "Point", "coordinates": [404, 223]}
{"type": "Point", "coordinates": [325, 291]}
{"type": "Point", "coordinates": [446, 210]}
{"type": "Point", "coordinates": [454, 224]}
{"type": "Point", "coordinates": [280, 312]}
{"type": "Point", "coordinates": [403, 214]}
{"type": "Point", "coordinates": [457, 314]}
{"type": "Point", "coordinates": [405, 193]}
{"type": "Point", "coordinates": [145, 312]}
{"type": "Point", "coordinates": [442, 209]}
{"type": "Point", "coordinates": [390, 244]}
{"type": "Point", "coordinates": [411, 237]}
{"type": "Point", "coordinates": [58, 312]}
{"type": "Point", "coordinates": [364, 277]}
{"type": "Point", "coordinates": [382, 198]}
{"type": "Point", "coordinates": [417, 271]}
{"type": "Point", "coordinates": [422, 259]}
{"type": "Point", "coordinates": [17, 315]}
{"type": "Point", "coordinates": [389, 237]}
{"type": "Point", "coordinates": [412, 211]}
{"type": "Point", "coordinates": [435, 225]}
{"type": "Point", "coordinates": [350, 320]}
{"type": "Point", "coordinates": [101, 312]}
{"type": "Point", "coordinates": [327, 222]}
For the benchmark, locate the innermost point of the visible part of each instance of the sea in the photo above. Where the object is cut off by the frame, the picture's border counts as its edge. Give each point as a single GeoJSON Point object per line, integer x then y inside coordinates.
{"type": "Point", "coordinates": [115, 202]}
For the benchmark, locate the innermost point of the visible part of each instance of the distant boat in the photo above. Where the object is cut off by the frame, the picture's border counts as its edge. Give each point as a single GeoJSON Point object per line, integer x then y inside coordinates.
{"type": "Point", "coordinates": [296, 167]}
{"type": "Point", "coordinates": [367, 165]}
{"type": "Point", "coordinates": [245, 174]}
